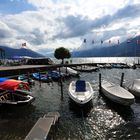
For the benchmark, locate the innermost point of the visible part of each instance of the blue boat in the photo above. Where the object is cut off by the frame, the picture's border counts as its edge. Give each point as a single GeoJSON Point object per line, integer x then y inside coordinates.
{"type": "Point", "coordinates": [55, 75]}
{"type": "Point", "coordinates": [41, 77]}
{"type": "Point", "coordinates": [25, 78]}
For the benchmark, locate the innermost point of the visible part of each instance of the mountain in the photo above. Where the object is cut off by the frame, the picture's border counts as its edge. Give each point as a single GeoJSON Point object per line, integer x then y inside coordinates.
{"type": "Point", "coordinates": [11, 52]}
{"type": "Point", "coordinates": [123, 49]}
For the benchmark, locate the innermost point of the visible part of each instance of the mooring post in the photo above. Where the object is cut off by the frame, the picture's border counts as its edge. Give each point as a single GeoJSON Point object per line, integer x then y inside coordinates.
{"type": "Point", "coordinates": [100, 82]}
{"type": "Point", "coordinates": [28, 77]}
{"type": "Point", "coordinates": [66, 70]}
{"type": "Point", "coordinates": [39, 78]}
{"type": "Point", "coordinates": [122, 78]}
{"type": "Point", "coordinates": [61, 84]}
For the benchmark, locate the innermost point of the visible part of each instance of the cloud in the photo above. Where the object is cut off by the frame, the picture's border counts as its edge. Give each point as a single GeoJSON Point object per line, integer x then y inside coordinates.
{"type": "Point", "coordinates": [79, 25]}
{"type": "Point", "coordinates": [5, 31]}
{"type": "Point", "coordinates": [56, 23]}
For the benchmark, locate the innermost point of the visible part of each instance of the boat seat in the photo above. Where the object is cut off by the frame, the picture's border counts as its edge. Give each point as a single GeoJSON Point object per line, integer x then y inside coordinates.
{"type": "Point", "coordinates": [80, 86]}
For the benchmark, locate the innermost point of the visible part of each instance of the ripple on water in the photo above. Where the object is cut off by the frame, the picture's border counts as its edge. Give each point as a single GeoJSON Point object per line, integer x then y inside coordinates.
{"type": "Point", "coordinates": [101, 120]}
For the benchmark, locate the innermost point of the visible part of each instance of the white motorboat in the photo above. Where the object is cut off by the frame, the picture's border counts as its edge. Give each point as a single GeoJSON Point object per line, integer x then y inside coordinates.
{"type": "Point", "coordinates": [116, 93]}
{"type": "Point", "coordinates": [69, 71]}
{"type": "Point", "coordinates": [15, 98]}
{"type": "Point", "coordinates": [80, 91]}
{"type": "Point", "coordinates": [133, 86]}
{"type": "Point", "coordinates": [14, 92]}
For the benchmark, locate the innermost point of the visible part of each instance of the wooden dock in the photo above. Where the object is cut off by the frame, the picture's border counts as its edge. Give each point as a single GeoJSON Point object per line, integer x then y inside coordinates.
{"type": "Point", "coordinates": [6, 71]}
{"type": "Point", "coordinates": [42, 127]}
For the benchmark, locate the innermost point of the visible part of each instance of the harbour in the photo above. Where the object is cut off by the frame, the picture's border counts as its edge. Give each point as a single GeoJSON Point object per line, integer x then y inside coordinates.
{"type": "Point", "coordinates": [69, 70]}
{"type": "Point", "coordinates": [101, 119]}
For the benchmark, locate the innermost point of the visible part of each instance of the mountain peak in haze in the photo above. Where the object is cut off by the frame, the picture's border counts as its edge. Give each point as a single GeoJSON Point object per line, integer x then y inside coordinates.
{"type": "Point", "coordinates": [124, 49]}
{"type": "Point", "coordinates": [11, 52]}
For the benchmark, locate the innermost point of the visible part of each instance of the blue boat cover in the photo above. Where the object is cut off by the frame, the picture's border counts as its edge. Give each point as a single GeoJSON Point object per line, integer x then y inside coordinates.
{"type": "Point", "coordinates": [3, 79]}
{"type": "Point", "coordinates": [80, 86]}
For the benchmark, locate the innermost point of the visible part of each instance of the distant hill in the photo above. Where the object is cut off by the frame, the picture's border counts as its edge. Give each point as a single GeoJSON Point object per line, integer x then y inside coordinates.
{"type": "Point", "coordinates": [10, 52]}
{"type": "Point", "coordinates": [122, 50]}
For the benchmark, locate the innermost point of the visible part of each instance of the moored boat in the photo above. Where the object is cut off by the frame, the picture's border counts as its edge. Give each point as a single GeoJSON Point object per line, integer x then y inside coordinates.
{"type": "Point", "coordinates": [69, 71]}
{"type": "Point", "coordinates": [14, 92]}
{"type": "Point", "coordinates": [55, 75]}
{"type": "Point", "coordinates": [15, 98]}
{"type": "Point", "coordinates": [86, 68]}
{"type": "Point", "coordinates": [133, 86]}
{"type": "Point", "coordinates": [41, 77]}
{"type": "Point", "coordinates": [116, 93]}
{"type": "Point", "coordinates": [80, 91]}
{"type": "Point", "coordinates": [25, 78]}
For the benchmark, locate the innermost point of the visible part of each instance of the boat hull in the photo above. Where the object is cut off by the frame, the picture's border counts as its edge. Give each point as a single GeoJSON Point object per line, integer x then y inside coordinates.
{"type": "Point", "coordinates": [118, 100]}
{"type": "Point", "coordinates": [133, 87]}
{"type": "Point", "coordinates": [117, 94]}
{"type": "Point", "coordinates": [15, 98]}
{"type": "Point", "coordinates": [80, 98]}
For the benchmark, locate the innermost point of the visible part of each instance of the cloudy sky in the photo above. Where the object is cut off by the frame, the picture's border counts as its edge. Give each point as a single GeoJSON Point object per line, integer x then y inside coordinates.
{"type": "Point", "coordinates": [47, 24]}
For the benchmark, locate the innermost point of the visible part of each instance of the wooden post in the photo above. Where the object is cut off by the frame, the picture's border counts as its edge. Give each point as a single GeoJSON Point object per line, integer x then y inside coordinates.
{"type": "Point", "coordinates": [39, 79]}
{"type": "Point", "coordinates": [66, 70]}
{"type": "Point", "coordinates": [100, 82]}
{"type": "Point", "coordinates": [28, 77]}
{"type": "Point", "coordinates": [61, 84]}
{"type": "Point", "coordinates": [122, 78]}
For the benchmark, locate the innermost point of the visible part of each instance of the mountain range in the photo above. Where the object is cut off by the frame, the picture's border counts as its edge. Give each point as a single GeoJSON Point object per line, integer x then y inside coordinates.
{"type": "Point", "coordinates": [11, 52]}
{"type": "Point", "coordinates": [124, 49]}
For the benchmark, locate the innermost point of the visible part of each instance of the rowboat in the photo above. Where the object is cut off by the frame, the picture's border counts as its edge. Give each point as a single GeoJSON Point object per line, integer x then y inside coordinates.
{"type": "Point", "coordinates": [116, 93]}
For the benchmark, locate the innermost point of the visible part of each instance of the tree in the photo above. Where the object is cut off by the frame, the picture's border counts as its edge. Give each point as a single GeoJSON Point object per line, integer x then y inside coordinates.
{"type": "Point", "coordinates": [62, 53]}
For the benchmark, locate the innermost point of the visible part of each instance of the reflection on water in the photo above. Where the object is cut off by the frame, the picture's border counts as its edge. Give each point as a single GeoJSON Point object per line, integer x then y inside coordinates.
{"type": "Point", "coordinates": [79, 110]}
{"type": "Point", "coordinates": [102, 119]}
{"type": "Point", "coordinates": [125, 112]}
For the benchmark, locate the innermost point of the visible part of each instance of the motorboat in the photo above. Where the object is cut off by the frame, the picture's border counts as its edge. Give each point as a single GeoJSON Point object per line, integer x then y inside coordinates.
{"type": "Point", "coordinates": [55, 75]}
{"type": "Point", "coordinates": [14, 92]}
{"type": "Point", "coordinates": [80, 91]}
{"type": "Point", "coordinates": [69, 71]}
{"type": "Point", "coordinates": [116, 93]}
{"type": "Point", "coordinates": [86, 68]}
{"type": "Point", "coordinates": [25, 78]}
{"type": "Point", "coordinates": [41, 77]}
{"type": "Point", "coordinates": [15, 98]}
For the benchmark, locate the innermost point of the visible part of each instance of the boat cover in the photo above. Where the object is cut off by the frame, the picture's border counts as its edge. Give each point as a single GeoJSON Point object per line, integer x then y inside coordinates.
{"type": "Point", "coordinates": [116, 90]}
{"type": "Point", "coordinates": [133, 85]}
{"type": "Point", "coordinates": [3, 79]}
{"type": "Point", "coordinates": [80, 86]}
{"type": "Point", "coordinates": [11, 84]}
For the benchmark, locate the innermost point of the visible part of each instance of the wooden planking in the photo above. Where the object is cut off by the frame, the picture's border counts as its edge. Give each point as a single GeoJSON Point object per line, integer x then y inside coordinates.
{"type": "Point", "coordinates": [40, 129]}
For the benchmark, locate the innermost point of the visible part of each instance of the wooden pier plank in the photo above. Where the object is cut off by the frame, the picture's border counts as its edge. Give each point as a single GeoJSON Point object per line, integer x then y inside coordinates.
{"type": "Point", "coordinates": [40, 129]}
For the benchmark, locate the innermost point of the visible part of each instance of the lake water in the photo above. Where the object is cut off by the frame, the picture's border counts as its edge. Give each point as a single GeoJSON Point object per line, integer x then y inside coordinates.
{"type": "Point", "coordinates": [100, 120]}
{"type": "Point", "coordinates": [128, 60]}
